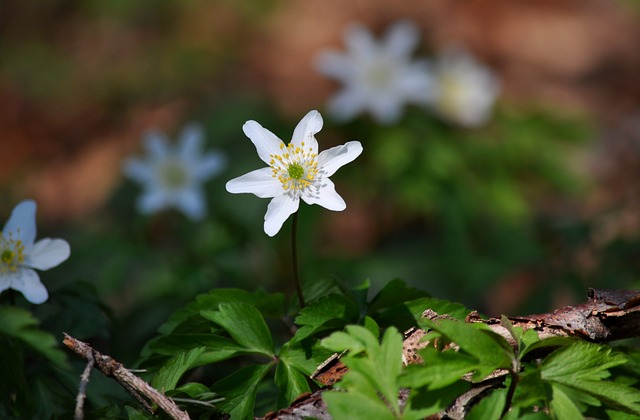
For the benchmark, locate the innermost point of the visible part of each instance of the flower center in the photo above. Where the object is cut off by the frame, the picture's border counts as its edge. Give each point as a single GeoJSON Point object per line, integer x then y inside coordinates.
{"type": "Point", "coordinates": [379, 74]}
{"type": "Point", "coordinates": [451, 94]}
{"type": "Point", "coordinates": [11, 253]}
{"type": "Point", "coordinates": [295, 167]}
{"type": "Point", "coordinates": [295, 171]}
{"type": "Point", "coordinates": [173, 174]}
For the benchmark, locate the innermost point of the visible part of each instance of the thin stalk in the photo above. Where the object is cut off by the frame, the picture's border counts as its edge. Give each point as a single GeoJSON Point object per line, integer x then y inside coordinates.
{"type": "Point", "coordinates": [294, 257]}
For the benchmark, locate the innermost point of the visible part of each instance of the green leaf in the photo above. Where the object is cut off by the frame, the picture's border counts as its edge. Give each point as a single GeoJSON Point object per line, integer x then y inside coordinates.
{"type": "Point", "coordinates": [291, 383]}
{"type": "Point", "coordinates": [168, 376]}
{"type": "Point", "coordinates": [393, 293]}
{"type": "Point", "coordinates": [440, 369]}
{"type": "Point", "coordinates": [580, 361]}
{"type": "Point", "coordinates": [491, 350]}
{"type": "Point", "coordinates": [245, 324]}
{"type": "Point", "coordinates": [423, 403]}
{"type": "Point", "coordinates": [355, 405]}
{"type": "Point", "coordinates": [374, 373]}
{"type": "Point", "coordinates": [216, 348]}
{"type": "Point", "coordinates": [272, 305]}
{"type": "Point", "coordinates": [531, 344]}
{"type": "Point", "coordinates": [19, 324]}
{"type": "Point", "coordinates": [582, 367]}
{"type": "Point", "coordinates": [239, 390]}
{"type": "Point", "coordinates": [562, 406]}
{"type": "Point", "coordinates": [409, 314]}
{"type": "Point", "coordinates": [490, 407]}
{"type": "Point", "coordinates": [305, 356]}
{"type": "Point", "coordinates": [372, 326]}
{"type": "Point", "coordinates": [355, 340]}
{"type": "Point", "coordinates": [330, 312]}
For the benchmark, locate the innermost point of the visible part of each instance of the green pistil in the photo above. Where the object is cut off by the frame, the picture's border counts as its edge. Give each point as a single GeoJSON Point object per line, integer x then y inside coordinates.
{"type": "Point", "coordinates": [295, 170]}
{"type": "Point", "coordinates": [7, 256]}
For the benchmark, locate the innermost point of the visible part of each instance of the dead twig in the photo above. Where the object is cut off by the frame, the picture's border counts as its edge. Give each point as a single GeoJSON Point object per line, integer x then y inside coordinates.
{"type": "Point", "coordinates": [136, 386]}
{"type": "Point", "coordinates": [82, 391]}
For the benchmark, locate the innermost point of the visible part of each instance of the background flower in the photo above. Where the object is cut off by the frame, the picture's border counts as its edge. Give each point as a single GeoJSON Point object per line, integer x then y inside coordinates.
{"type": "Point", "coordinates": [295, 171]}
{"type": "Point", "coordinates": [19, 255]}
{"type": "Point", "coordinates": [171, 176]}
{"type": "Point", "coordinates": [466, 90]}
{"type": "Point", "coordinates": [378, 77]}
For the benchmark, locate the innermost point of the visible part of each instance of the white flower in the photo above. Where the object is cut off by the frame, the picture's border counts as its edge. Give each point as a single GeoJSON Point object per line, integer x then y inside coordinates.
{"type": "Point", "coordinates": [172, 176]}
{"type": "Point", "coordinates": [378, 77]}
{"type": "Point", "coordinates": [466, 90]}
{"type": "Point", "coordinates": [296, 171]}
{"type": "Point", "coordinates": [19, 255]}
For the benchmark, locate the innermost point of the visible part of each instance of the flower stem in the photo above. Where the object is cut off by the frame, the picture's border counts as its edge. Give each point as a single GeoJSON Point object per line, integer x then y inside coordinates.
{"type": "Point", "coordinates": [294, 257]}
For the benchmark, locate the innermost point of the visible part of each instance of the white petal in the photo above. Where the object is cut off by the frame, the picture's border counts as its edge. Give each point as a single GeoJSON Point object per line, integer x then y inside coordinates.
{"type": "Point", "coordinates": [417, 83]}
{"type": "Point", "coordinates": [331, 160]}
{"type": "Point", "coordinates": [138, 171]}
{"type": "Point", "coordinates": [360, 41]}
{"type": "Point", "coordinates": [401, 39]}
{"type": "Point", "coordinates": [211, 164]}
{"type": "Point", "coordinates": [386, 109]}
{"type": "Point", "coordinates": [309, 125]}
{"type": "Point", "coordinates": [259, 182]}
{"type": "Point", "coordinates": [152, 201]}
{"type": "Point", "coordinates": [279, 209]}
{"type": "Point", "coordinates": [27, 282]}
{"type": "Point", "coordinates": [48, 253]}
{"type": "Point", "coordinates": [346, 104]}
{"type": "Point", "coordinates": [266, 142]}
{"type": "Point", "coordinates": [191, 202]}
{"type": "Point", "coordinates": [190, 143]}
{"type": "Point", "coordinates": [327, 197]}
{"type": "Point", "coordinates": [156, 143]}
{"type": "Point", "coordinates": [22, 222]}
{"type": "Point", "coordinates": [335, 65]}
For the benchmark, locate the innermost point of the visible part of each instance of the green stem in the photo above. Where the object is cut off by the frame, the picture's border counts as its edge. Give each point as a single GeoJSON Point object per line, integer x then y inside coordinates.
{"type": "Point", "coordinates": [294, 257]}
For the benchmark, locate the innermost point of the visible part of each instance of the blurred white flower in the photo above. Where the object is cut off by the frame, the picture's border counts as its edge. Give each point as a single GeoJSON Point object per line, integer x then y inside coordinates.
{"type": "Point", "coordinates": [20, 254]}
{"type": "Point", "coordinates": [466, 90]}
{"type": "Point", "coordinates": [171, 176]}
{"type": "Point", "coordinates": [378, 77]}
{"type": "Point", "coordinates": [295, 171]}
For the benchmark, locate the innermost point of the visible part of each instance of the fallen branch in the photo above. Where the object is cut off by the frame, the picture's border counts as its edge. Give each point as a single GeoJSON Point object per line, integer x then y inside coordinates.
{"type": "Point", "coordinates": [607, 315]}
{"type": "Point", "coordinates": [136, 386]}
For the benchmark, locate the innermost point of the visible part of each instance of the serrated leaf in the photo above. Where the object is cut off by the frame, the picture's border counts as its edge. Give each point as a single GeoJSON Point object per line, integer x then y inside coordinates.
{"type": "Point", "coordinates": [239, 390]}
{"type": "Point", "coordinates": [440, 369]}
{"type": "Point", "coordinates": [19, 324]}
{"type": "Point", "coordinates": [582, 368]}
{"type": "Point", "coordinates": [268, 304]}
{"type": "Point", "coordinates": [217, 348]}
{"type": "Point", "coordinates": [423, 403]}
{"type": "Point", "coordinates": [305, 356]}
{"type": "Point", "coordinates": [580, 361]}
{"type": "Point", "coordinates": [291, 383]}
{"type": "Point", "coordinates": [372, 326]}
{"type": "Point", "coordinates": [330, 312]}
{"type": "Point", "coordinates": [562, 406]}
{"type": "Point", "coordinates": [245, 325]}
{"type": "Point", "coordinates": [490, 407]}
{"type": "Point", "coordinates": [409, 314]}
{"type": "Point", "coordinates": [532, 345]}
{"type": "Point", "coordinates": [377, 370]}
{"type": "Point", "coordinates": [393, 293]}
{"type": "Point", "coordinates": [491, 350]}
{"type": "Point", "coordinates": [355, 405]}
{"type": "Point", "coordinates": [168, 376]}
{"type": "Point", "coordinates": [192, 389]}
